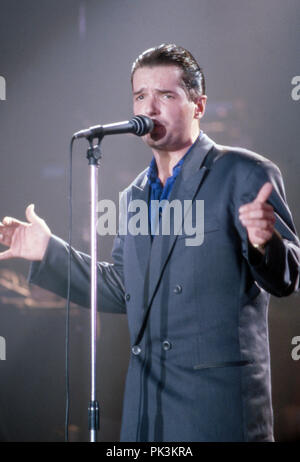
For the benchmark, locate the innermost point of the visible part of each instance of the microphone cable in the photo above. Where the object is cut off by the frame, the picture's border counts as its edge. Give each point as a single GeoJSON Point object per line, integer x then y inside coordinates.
{"type": "Point", "coordinates": [67, 326]}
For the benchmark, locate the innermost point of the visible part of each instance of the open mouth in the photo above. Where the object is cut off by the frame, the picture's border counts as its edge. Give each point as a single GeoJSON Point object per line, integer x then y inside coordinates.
{"type": "Point", "coordinates": [156, 123]}
{"type": "Point", "coordinates": [158, 127]}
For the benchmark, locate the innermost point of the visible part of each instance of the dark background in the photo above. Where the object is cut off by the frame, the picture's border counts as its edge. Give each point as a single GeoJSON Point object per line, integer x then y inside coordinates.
{"type": "Point", "coordinates": [67, 66]}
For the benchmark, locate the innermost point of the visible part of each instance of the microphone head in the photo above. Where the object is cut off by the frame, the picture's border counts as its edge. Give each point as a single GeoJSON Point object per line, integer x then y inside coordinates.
{"type": "Point", "coordinates": [142, 125]}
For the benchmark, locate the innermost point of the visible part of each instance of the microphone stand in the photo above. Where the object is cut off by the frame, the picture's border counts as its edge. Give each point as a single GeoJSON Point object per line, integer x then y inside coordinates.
{"type": "Point", "coordinates": [139, 125]}
{"type": "Point", "coordinates": [93, 156]}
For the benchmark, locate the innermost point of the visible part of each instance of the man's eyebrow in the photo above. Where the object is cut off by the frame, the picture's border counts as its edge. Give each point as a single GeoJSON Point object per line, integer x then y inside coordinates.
{"type": "Point", "coordinates": [139, 91]}
{"type": "Point", "coordinates": [165, 91]}
{"type": "Point", "coordinates": [157, 90]}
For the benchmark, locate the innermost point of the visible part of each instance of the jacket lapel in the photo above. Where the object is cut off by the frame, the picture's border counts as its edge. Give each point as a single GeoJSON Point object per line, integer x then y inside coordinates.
{"type": "Point", "coordinates": [142, 242]}
{"type": "Point", "coordinates": [185, 187]}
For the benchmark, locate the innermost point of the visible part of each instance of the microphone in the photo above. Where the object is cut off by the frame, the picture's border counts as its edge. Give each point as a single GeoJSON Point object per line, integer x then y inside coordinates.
{"type": "Point", "coordinates": [139, 125]}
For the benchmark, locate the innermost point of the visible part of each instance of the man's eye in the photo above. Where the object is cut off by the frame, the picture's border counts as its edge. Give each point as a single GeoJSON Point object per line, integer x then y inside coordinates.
{"type": "Point", "coordinates": [168, 96]}
{"type": "Point", "coordinates": [139, 97]}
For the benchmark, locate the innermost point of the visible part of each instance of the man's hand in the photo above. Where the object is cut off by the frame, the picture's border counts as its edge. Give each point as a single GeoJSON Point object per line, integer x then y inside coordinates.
{"type": "Point", "coordinates": [258, 217]}
{"type": "Point", "coordinates": [25, 240]}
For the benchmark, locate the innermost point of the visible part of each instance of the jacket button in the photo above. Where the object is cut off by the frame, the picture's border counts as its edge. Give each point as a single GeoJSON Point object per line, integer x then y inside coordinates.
{"type": "Point", "coordinates": [127, 297]}
{"type": "Point", "coordinates": [177, 289]}
{"type": "Point", "coordinates": [136, 349]}
{"type": "Point", "coordinates": [166, 345]}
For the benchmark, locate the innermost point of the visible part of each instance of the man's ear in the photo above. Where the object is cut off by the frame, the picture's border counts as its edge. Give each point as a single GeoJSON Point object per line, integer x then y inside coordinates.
{"type": "Point", "coordinates": [200, 105]}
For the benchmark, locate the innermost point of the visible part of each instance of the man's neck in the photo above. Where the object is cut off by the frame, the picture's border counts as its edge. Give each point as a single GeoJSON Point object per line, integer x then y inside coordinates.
{"type": "Point", "coordinates": [166, 160]}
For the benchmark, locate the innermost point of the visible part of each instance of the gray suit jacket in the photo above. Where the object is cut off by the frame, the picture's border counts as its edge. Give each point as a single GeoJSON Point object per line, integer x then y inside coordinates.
{"type": "Point", "coordinates": [197, 315]}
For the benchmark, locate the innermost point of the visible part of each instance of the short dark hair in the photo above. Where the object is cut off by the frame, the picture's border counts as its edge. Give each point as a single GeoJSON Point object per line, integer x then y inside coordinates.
{"type": "Point", "coordinates": [171, 54]}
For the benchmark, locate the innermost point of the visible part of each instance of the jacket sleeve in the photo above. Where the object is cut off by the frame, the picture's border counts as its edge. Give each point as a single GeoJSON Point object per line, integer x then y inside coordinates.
{"type": "Point", "coordinates": [277, 271]}
{"type": "Point", "coordinates": [52, 274]}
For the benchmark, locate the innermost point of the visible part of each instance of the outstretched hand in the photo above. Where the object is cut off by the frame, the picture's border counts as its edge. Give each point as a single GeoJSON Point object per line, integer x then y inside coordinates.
{"type": "Point", "coordinates": [24, 240]}
{"type": "Point", "coordinates": [258, 217]}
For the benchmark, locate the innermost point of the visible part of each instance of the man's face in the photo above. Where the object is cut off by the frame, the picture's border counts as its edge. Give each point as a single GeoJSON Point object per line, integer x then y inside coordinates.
{"type": "Point", "coordinates": [158, 93]}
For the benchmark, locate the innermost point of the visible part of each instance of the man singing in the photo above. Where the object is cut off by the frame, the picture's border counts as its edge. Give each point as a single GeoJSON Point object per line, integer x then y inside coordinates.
{"type": "Point", "coordinates": [197, 314]}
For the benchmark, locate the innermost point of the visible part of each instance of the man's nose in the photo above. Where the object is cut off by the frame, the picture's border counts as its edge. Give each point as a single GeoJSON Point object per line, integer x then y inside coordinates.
{"type": "Point", "coordinates": [152, 107]}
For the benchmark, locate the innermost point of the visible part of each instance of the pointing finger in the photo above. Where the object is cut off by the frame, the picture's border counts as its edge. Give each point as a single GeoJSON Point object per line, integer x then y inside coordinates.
{"type": "Point", "coordinates": [264, 193]}
{"type": "Point", "coordinates": [9, 221]}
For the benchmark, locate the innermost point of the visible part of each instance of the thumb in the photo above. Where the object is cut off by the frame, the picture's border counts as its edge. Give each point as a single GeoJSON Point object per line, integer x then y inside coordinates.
{"type": "Point", "coordinates": [31, 216]}
{"type": "Point", "coordinates": [264, 193]}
